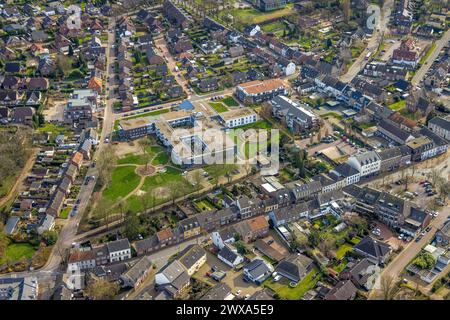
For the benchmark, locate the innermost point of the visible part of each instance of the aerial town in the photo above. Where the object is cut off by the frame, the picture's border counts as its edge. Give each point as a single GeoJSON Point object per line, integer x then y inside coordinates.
{"type": "Point", "coordinates": [224, 150]}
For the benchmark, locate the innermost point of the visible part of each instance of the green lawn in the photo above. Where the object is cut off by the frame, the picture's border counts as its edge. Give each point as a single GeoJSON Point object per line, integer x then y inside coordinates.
{"type": "Point", "coordinates": [342, 250]}
{"type": "Point", "coordinates": [277, 27]}
{"type": "Point", "coordinates": [251, 15]}
{"type": "Point", "coordinates": [160, 186]}
{"type": "Point", "coordinates": [131, 158]}
{"type": "Point", "coordinates": [332, 114]}
{"type": "Point", "coordinates": [204, 205]}
{"type": "Point", "coordinates": [124, 180]}
{"type": "Point", "coordinates": [285, 292]}
{"type": "Point", "coordinates": [6, 184]}
{"type": "Point", "coordinates": [161, 158]}
{"type": "Point", "coordinates": [341, 266]}
{"type": "Point", "coordinates": [399, 105]}
{"type": "Point", "coordinates": [427, 54]}
{"type": "Point", "coordinates": [65, 212]}
{"type": "Point", "coordinates": [229, 101]}
{"type": "Point", "coordinates": [17, 251]}
{"type": "Point", "coordinates": [260, 124]}
{"type": "Point", "coordinates": [218, 106]}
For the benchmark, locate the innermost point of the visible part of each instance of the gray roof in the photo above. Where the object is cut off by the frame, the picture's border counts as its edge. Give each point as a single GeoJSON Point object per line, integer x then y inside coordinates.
{"type": "Point", "coordinates": [294, 268]}
{"type": "Point", "coordinates": [191, 255]}
{"type": "Point", "coordinates": [390, 153]}
{"type": "Point", "coordinates": [394, 130]}
{"type": "Point", "coordinates": [118, 245]}
{"type": "Point", "coordinates": [367, 157]}
{"type": "Point", "coordinates": [373, 247]}
{"type": "Point", "coordinates": [257, 268]}
{"type": "Point", "coordinates": [11, 224]}
{"type": "Point", "coordinates": [359, 271]}
{"type": "Point", "coordinates": [218, 292]}
{"type": "Point", "coordinates": [228, 254]}
{"type": "Point", "coordinates": [437, 140]}
{"type": "Point", "coordinates": [441, 122]}
{"type": "Point", "coordinates": [172, 270]}
{"type": "Point", "coordinates": [261, 295]}
{"type": "Point", "coordinates": [344, 290]}
{"type": "Point", "coordinates": [345, 170]}
{"type": "Point", "coordinates": [134, 274]}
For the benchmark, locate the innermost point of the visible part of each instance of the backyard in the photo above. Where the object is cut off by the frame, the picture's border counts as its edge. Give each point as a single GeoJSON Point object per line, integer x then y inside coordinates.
{"type": "Point", "coordinates": [286, 292]}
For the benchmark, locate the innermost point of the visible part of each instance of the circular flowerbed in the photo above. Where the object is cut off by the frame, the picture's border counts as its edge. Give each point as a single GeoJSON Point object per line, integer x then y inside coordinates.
{"type": "Point", "coordinates": [145, 171]}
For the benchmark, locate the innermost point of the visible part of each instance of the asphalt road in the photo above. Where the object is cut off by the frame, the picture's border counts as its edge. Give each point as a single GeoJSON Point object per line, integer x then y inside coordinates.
{"type": "Point", "coordinates": [440, 44]}
{"type": "Point", "coordinates": [372, 45]}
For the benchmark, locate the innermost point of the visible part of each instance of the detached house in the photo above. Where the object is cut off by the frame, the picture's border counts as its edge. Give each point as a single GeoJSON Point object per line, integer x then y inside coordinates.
{"type": "Point", "coordinates": [374, 250]}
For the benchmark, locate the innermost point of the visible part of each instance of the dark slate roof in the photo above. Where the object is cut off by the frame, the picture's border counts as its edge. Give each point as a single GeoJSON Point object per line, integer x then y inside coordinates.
{"type": "Point", "coordinates": [219, 292]}
{"type": "Point", "coordinates": [441, 122]}
{"type": "Point", "coordinates": [345, 170]}
{"type": "Point", "coordinates": [437, 140]}
{"type": "Point", "coordinates": [228, 254]}
{"type": "Point", "coordinates": [118, 245]}
{"type": "Point", "coordinates": [257, 268]}
{"type": "Point", "coordinates": [289, 269]}
{"type": "Point", "coordinates": [373, 247]}
{"type": "Point", "coordinates": [358, 271]}
{"type": "Point", "coordinates": [11, 224]}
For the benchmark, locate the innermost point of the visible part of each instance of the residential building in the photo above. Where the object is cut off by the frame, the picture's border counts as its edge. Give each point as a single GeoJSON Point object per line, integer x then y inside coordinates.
{"type": "Point", "coordinates": [81, 260]}
{"type": "Point", "coordinates": [298, 118]}
{"type": "Point", "coordinates": [230, 256]}
{"type": "Point", "coordinates": [238, 117]}
{"type": "Point", "coordinates": [257, 271]}
{"type": "Point", "coordinates": [192, 258]}
{"type": "Point", "coordinates": [295, 268]}
{"type": "Point", "coordinates": [344, 290]}
{"type": "Point", "coordinates": [363, 274]}
{"type": "Point", "coordinates": [19, 288]}
{"type": "Point", "coordinates": [258, 91]}
{"type": "Point", "coordinates": [119, 250]}
{"type": "Point", "coordinates": [172, 279]}
{"type": "Point", "coordinates": [440, 126]}
{"type": "Point", "coordinates": [374, 250]}
{"type": "Point", "coordinates": [367, 163]}
{"type": "Point", "coordinates": [134, 276]}
{"type": "Point", "coordinates": [220, 291]}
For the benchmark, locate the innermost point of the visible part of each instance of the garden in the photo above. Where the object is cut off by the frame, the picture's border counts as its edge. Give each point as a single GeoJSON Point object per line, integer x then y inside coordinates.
{"type": "Point", "coordinates": [285, 291]}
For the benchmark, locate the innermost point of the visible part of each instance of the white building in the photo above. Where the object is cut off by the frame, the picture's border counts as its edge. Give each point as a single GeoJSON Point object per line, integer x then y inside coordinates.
{"type": "Point", "coordinates": [238, 117]}
{"type": "Point", "coordinates": [287, 66]}
{"type": "Point", "coordinates": [350, 174]}
{"type": "Point", "coordinates": [366, 163]}
{"type": "Point", "coordinates": [440, 126]}
{"type": "Point", "coordinates": [119, 250]}
{"type": "Point", "coordinates": [230, 256]}
{"type": "Point", "coordinates": [222, 237]}
{"type": "Point", "coordinates": [81, 260]}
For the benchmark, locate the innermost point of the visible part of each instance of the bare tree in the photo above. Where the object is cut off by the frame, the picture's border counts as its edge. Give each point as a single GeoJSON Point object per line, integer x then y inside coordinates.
{"type": "Point", "coordinates": [143, 145]}
{"type": "Point", "coordinates": [388, 287]}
